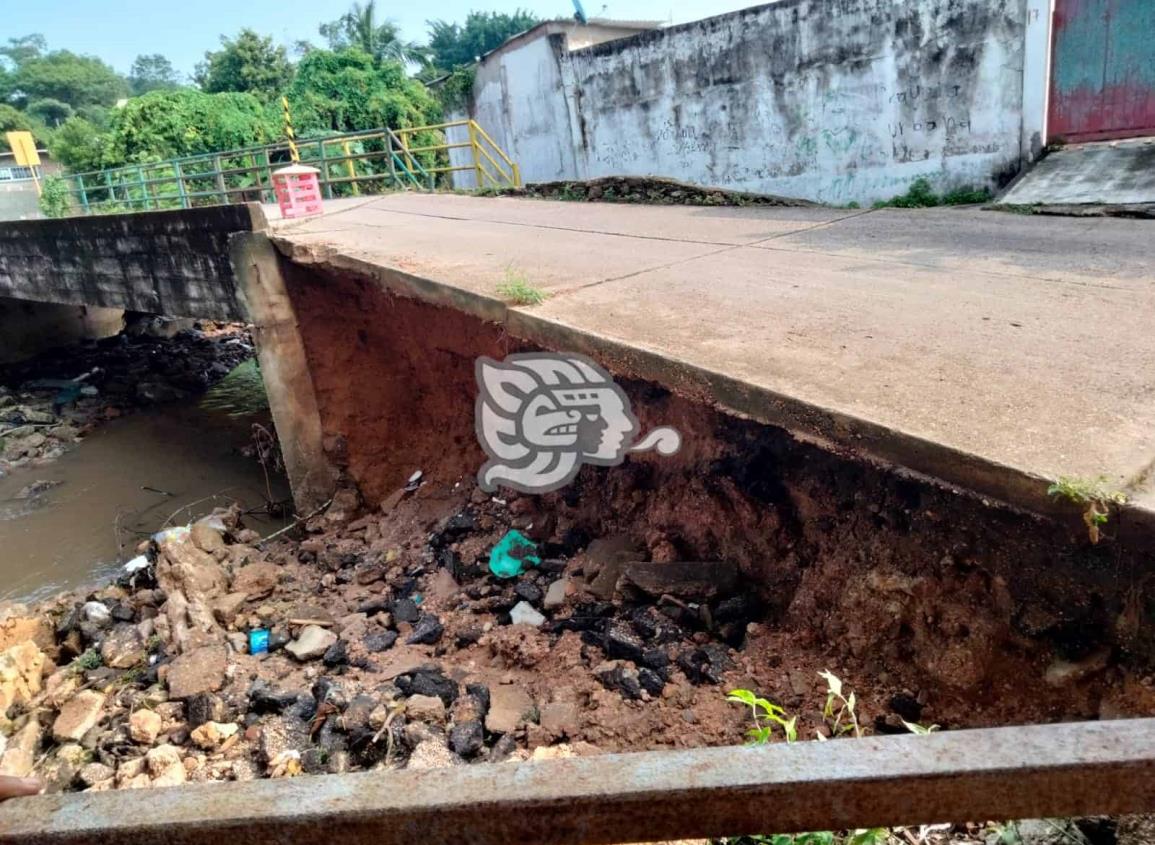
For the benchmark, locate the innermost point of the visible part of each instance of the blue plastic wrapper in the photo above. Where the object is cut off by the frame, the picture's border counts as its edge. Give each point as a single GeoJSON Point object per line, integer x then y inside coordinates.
{"type": "Point", "coordinates": [259, 641]}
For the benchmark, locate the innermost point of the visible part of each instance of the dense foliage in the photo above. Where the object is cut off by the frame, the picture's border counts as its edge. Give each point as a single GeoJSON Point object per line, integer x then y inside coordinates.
{"type": "Point", "coordinates": [454, 45]}
{"type": "Point", "coordinates": [168, 124]}
{"type": "Point", "coordinates": [347, 90]}
{"type": "Point", "coordinates": [247, 63]}
{"type": "Point", "coordinates": [90, 117]}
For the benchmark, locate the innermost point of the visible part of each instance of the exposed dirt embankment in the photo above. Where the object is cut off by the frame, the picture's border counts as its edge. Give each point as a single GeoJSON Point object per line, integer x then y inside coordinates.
{"type": "Point", "coordinates": [1006, 616]}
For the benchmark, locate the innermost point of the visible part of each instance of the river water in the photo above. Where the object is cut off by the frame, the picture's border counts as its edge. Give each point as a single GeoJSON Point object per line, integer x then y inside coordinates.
{"type": "Point", "coordinates": [128, 479]}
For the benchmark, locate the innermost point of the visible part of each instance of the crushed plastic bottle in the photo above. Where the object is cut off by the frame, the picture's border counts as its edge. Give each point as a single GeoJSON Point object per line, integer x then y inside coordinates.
{"type": "Point", "coordinates": [512, 554]}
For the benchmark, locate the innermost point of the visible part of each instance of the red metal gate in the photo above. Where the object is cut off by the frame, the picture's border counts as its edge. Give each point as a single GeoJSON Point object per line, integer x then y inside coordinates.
{"type": "Point", "coordinates": [1102, 70]}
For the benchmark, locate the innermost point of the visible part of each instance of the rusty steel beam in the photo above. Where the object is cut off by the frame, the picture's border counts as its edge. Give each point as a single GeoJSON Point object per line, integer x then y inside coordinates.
{"type": "Point", "coordinates": [1003, 773]}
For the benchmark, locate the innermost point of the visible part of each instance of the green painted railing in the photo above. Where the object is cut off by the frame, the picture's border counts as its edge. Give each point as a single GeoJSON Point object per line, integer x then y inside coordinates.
{"type": "Point", "coordinates": [350, 164]}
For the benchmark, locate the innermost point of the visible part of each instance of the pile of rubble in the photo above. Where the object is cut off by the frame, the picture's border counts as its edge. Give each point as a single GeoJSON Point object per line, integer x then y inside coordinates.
{"type": "Point", "coordinates": [383, 640]}
{"type": "Point", "coordinates": [50, 402]}
{"type": "Point", "coordinates": [642, 189]}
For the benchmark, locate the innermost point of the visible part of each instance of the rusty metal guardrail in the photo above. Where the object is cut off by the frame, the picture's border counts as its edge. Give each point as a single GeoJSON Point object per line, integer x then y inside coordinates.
{"type": "Point", "coordinates": [1001, 774]}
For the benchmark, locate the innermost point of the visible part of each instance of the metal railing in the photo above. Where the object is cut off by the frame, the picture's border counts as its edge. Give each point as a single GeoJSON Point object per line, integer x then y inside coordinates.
{"type": "Point", "coordinates": [1041, 771]}
{"type": "Point", "coordinates": [490, 165]}
{"type": "Point", "coordinates": [350, 164]}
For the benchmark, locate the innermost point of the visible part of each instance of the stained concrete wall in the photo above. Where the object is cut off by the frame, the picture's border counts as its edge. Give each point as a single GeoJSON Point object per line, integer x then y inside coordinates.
{"type": "Point", "coordinates": [828, 100]}
{"type": "Point", "coordinates": [28, 328]}
{"type": "Point", "coordinates": [174, 263]}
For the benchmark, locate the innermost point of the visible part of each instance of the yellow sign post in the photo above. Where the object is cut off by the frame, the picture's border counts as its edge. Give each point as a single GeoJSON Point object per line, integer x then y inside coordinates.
{"type": "Point", "coordinates": [24, 148]}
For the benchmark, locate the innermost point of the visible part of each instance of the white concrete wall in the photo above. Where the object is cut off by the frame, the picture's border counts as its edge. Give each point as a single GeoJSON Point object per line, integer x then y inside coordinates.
{"type": "Point", "coordinates": [518, 100]}
{"type": "Point", "coordinates": [1036, 77]}
{"type": "Point", "coordinates": [831, 100]}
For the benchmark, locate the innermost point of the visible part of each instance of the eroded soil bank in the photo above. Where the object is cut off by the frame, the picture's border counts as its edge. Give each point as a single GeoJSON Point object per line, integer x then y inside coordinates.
{"type": "Point", "coordinates": [917, 586]}
{"type": "Point", "coordinates": [392, 644]}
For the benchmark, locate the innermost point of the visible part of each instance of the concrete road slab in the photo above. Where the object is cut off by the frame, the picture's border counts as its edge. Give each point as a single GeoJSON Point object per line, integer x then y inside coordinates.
{"type": "Point", "coordinates": [990, 350]}
{"type": "Point", "coordinates": [693, 224]}
{"type": "Point", "coordinates": [480, 255]}
{"type": "Point", "coordinates": [990, 365]}
{"type": "Point", "coordinates": [1095, 250]}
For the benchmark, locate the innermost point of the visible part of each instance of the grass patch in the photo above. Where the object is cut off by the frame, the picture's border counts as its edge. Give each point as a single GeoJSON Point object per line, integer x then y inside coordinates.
{"type": "Point", "coordinates": [922, 195]}
{"type": "Point", "coordinates": [516, 289]}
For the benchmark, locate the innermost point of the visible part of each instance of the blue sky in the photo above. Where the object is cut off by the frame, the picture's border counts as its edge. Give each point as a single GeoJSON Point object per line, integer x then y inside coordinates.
{"type": "Point", "coordinates": [119, 30]}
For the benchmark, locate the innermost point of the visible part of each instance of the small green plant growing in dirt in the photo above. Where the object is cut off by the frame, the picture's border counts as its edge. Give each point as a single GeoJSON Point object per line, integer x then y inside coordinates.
{"type": "Point", "coordinates": [1094, 495]}
{"type": "Point", "coordinates": [517, 290]}
{"type": "Point", "coordinates": [765, 715]}
{"type": "Point", "coordinates": [88, 661]}
{"type": "Point", "coordinates": [839, 713]}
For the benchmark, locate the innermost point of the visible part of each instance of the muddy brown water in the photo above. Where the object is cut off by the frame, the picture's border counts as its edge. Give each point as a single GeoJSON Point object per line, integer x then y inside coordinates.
{"type": "Point", "coordinates": [105, 497]}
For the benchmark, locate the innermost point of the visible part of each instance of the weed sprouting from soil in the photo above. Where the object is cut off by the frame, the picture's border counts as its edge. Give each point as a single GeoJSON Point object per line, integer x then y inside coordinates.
{"type": "Point", "coordinates": [922, 195]}
{"type": "Point", "coordinates": [1094, 495]}
{"type": "Point", "coordinates": [841, 719]}
{"type": "Point", "coordinates": [517, 289]}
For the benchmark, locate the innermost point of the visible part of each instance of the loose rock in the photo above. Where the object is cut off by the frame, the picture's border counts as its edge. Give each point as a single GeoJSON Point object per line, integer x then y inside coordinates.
{"type": "Point", "coordinates": [311, 643]}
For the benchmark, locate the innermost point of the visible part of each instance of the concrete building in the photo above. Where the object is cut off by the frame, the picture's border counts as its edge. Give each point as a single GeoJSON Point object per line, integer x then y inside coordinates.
{"type": "Point", "coordinates": [837, 101]}
{"type": "Point", "coordinates": [19, 199]}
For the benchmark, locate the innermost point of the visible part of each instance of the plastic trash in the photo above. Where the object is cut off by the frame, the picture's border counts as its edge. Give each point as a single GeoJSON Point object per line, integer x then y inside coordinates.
{"type": "Point", "coordinates": [259, 641]}
{"type": "Point", "coordinates": [512, 554]}
{"type": "Point", "coordinates": [136, 564]}
{"type": "Point", "coordinates": [171, 534]}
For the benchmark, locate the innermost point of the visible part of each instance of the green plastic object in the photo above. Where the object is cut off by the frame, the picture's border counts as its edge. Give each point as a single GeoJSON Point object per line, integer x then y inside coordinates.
{"type": "Point", "coordinates": [512, 554]}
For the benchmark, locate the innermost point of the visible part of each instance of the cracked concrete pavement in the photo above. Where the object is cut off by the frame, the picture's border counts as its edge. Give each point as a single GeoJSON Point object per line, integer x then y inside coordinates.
{"type": "Point", "coordinates": [993, 351]}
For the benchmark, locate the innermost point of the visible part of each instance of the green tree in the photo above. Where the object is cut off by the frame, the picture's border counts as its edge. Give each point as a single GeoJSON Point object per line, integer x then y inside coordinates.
{"type": "Point", "coordinates": [65, 76]}
{"type": "Point", "coordinates": [12, 120]}
{"type": "Point", "coordinates": [98, 116]}
{"type": "Point", "coordinates": [168, 124]}
{"type": "Point", "coordinates": [78, 145]}
{"type": "Point", "coordinates": [153, 72]}
{"type": "Point", "coordinates": [48, 111]}
{"type": "Point", "coordinates": [348, 90]}
{"type": "Point", "coordinates": [247, 63]}
{"type": "Point", "coordinates": [361, 28]}
{"type": "Point", "coordinates": [453, 45]}
{"type": "Point", "coordinates": [20, 50]}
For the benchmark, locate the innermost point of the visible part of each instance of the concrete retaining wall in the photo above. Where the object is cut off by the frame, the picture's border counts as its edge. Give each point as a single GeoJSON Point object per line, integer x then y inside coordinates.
{"type": "Point", "coordinates": [172, 263]}
{"type": "Point", "coordinates": [828, 100]}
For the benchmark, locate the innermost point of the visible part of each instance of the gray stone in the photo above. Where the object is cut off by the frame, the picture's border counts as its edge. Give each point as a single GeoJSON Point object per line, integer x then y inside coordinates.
{"type": "Point", "coordinates": [96, 613]}
{"type": "Point", "coordinates": [524, 613]}
{"type": "Point", "coordinates": [311, 643]}
{"type": "Point", "coordinates": [123, 648]}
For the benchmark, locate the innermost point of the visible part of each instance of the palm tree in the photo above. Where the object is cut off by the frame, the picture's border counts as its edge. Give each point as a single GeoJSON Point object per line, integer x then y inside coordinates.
{"type": "Point", "coordinates": [361, 28]}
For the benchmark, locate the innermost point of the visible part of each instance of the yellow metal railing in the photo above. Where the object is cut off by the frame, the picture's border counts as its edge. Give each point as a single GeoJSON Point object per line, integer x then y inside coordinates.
{"type": "Point", "coordinates": [490, 164]}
